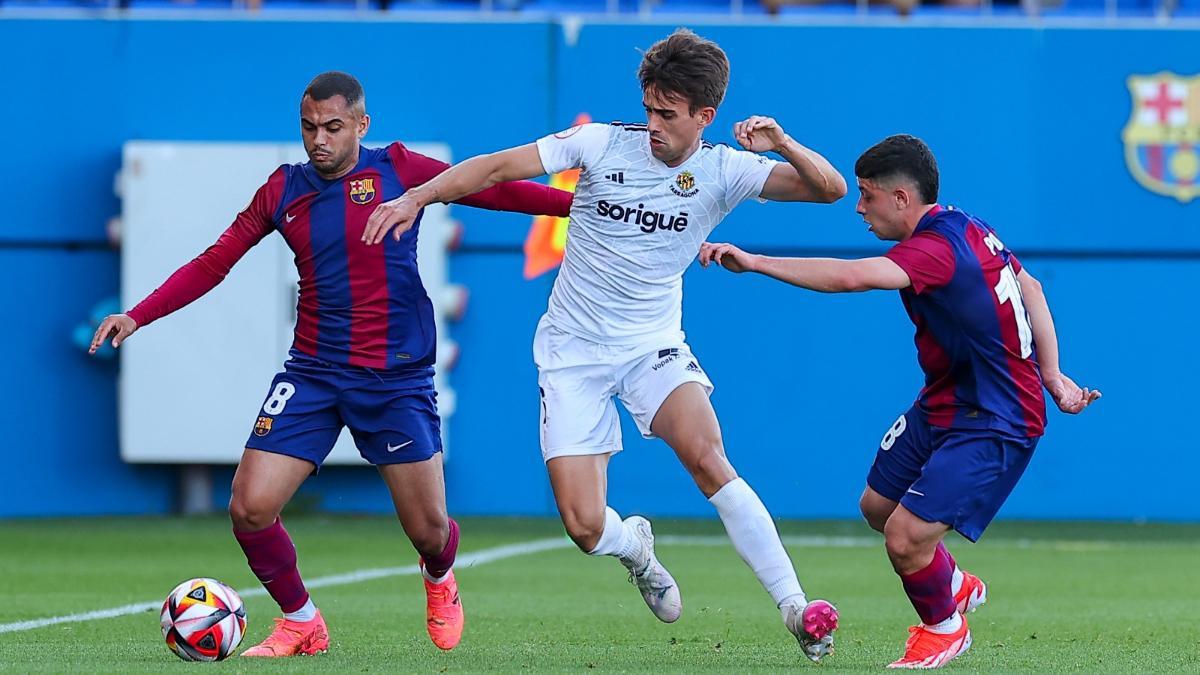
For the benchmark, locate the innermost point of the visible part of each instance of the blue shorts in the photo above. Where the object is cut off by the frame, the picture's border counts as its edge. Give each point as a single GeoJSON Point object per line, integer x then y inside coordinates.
{"type": "Point", "coordinates": [392, 416]}
{"type": "Point", "coordinates": [959, 477]}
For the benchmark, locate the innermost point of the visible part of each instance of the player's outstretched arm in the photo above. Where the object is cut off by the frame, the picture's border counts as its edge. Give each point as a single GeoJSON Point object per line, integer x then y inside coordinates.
{"type": "Point", "coordinates": [807, 177]}
{"type": "Point", "coordinates": [115, 326]}
{"type": "Point", "coordinates": [465, 178]}
{"type": "Point", "coordinates": [202, 273]}
{"type": "Point", "coordinates": [521, 196]}
{"type": "Point", "coordinates": [826, 275]}
{"type": "Point", "coordinates": [1070, 397]}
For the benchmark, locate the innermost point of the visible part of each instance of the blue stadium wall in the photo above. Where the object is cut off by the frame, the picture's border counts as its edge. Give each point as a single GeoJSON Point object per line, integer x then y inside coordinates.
{"type": "Point", "coordinates": [1026, 124]}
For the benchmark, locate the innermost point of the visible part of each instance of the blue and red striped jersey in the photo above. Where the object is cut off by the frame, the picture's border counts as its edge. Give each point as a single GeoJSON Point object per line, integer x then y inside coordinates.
{"type": "Point", "coordinates": [974, 340]}
{"type": "Point", "coordinates": [359, 305]}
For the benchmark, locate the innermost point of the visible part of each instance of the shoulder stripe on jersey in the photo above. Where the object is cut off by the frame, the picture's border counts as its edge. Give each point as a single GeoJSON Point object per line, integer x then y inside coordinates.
{"type": "Point", "coordinates": [277, 185]}
{"type": "Point", "coordinates": [630, 126]}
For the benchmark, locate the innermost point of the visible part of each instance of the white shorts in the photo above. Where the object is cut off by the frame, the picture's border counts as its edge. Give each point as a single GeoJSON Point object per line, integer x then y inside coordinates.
{"type": "Point", "coordinates": [578, 379]}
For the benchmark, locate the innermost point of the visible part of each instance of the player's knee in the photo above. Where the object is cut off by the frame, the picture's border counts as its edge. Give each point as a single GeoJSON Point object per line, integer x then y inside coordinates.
{"type": "Point", "coordinates": [709, 466]}
{"type": "Point", "coordinates": [248, 516]}
{"type": "Point", "coordinates": [902, 548]}
{"type": "Point", "coordinates": [874, 521]}
{"type": "Point", "coordinates": [871, 512]}
{"type": "Point", "coordinates": [868, 515]}
{"type": "Point", "coordinates": [899, 550]}
{"type": "Point", "coordinates": [583, 529]}
{"type": "Point", "coordinates": [430, 539]}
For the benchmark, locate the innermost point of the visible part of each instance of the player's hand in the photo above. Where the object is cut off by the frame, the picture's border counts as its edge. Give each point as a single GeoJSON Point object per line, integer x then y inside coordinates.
{"type": "Point", "coordinates": [728, 256]}
{"type": "Point", "coordinates": [115, 326]}
{"type": "Point", "coordinates": [396, 216]}
{"type": "Point", "coordinates": [1070, 397]}
{"type": "Point", "coordinates": [760, 134]}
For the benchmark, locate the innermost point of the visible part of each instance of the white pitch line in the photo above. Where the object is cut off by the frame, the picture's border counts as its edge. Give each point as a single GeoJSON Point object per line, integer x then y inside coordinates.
{"type": "Point", "coordinates": [818, 541]}
{"type": "Point", "coordinates": [466, 560]}
{"type": "Point", "coordinates": [802, 541]}
{"type": "Point", "coordinates": [537, 546]}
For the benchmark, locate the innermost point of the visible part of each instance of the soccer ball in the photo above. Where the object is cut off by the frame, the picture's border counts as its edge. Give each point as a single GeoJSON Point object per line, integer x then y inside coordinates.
{"type": "Point", "coordinates": [203, 620]}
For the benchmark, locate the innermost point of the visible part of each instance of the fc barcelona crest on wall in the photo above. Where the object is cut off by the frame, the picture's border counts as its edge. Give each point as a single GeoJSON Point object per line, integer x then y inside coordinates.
{"type": "Point", "coordinates": [1163, 134]}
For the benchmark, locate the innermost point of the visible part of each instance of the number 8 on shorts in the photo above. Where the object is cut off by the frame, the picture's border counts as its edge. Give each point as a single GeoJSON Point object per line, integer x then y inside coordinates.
{"type": "Point", "coordinates": [892, 434]}
{"type": "Point", "coordinates": [279, 398]}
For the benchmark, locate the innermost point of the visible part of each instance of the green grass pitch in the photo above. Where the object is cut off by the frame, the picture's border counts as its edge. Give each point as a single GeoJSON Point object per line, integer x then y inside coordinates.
{"type": "Point", "coordinates": [1090, 597]}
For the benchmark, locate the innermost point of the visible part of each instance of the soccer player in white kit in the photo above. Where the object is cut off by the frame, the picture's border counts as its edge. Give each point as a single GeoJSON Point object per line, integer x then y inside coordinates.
{"type": "Point", "coordinates": [648, 196]}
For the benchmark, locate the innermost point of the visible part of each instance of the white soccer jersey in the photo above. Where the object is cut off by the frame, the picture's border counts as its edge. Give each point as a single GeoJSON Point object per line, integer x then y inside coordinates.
{"type": "Point", "coordinates": [636, 224]}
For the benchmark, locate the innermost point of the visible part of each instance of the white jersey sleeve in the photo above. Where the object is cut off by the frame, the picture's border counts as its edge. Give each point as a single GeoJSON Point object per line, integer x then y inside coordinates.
{"type": "Point", "coordinates": [745, 175]}
{"type": "Point", "coordinates": [581, 146]}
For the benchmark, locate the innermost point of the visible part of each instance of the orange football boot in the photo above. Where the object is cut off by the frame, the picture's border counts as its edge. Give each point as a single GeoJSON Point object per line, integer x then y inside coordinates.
{"type": "Point", "coordinates": [971, 595]}
{"type": "Point", "coordinates": [293, 637]}
{"type": "Point", "coordinates": [926, 649]}
{"type": "Point", "coordinates": [444, 617]}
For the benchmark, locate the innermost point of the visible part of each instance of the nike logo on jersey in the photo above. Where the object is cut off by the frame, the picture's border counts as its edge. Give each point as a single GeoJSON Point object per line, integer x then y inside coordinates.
{"type": "Point", "coordinates": [393, 448]}
{"type": "Point", "coordinates": [914, 492]}
{"type": "Point", "coordinates": [289, 217]}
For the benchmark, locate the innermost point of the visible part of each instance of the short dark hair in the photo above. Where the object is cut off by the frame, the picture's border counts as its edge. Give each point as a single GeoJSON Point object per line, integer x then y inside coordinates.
{"type": "Point", "coordinates": [336, 83]}
{"type": "Point", "coordinates": [686, 66]}
{"type": "Point", "coordinates": [901, 156]}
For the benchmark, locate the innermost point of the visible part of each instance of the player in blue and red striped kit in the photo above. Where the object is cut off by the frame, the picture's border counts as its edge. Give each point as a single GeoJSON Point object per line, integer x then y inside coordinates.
{"type": "Point", "coordinates": [986, 342]}
{"type": "Point", "coordinates": [362, 357]}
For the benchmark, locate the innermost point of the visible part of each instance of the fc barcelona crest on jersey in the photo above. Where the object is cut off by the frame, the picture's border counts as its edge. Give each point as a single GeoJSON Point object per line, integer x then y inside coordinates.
{"type": "Point", "coordinates": [1163, 133]}
{"type": "Point", "coordinates": [263, 426]}
{"type": "Point", "coordinates": [685, 184]}
{"type": "Point", "coordinates": [362, 191]}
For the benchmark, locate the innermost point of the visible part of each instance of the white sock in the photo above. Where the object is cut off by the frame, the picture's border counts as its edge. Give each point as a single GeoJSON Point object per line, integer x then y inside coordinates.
{"type": "Point", "coordinates": [956, 581]}
{"type": "Point", "coordinates": [432, 579]}
{"type": "Point", "coordinates": [618, 540]}
{"type": "Point", "coordinates": [948, 626]}
{"type": "Point", "coordinates": [306, 613]}
{"type": "Point", "coordinates": [755, 538]}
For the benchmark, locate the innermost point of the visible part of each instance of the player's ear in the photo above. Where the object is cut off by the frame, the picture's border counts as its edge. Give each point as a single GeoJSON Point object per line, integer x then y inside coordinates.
{"type": "Point", "coordinates": [706, 115]}
{"type": "Point", "coordinates": [364, 123]}
{"type": "Point", "coordinates": [901, 197]}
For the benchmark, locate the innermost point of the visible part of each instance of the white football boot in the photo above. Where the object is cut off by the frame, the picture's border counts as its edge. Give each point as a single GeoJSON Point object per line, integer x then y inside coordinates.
{"type": "Point", "coordinates": [658, 587]}
{"type": "Point", "coordinates": [813, 626]}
